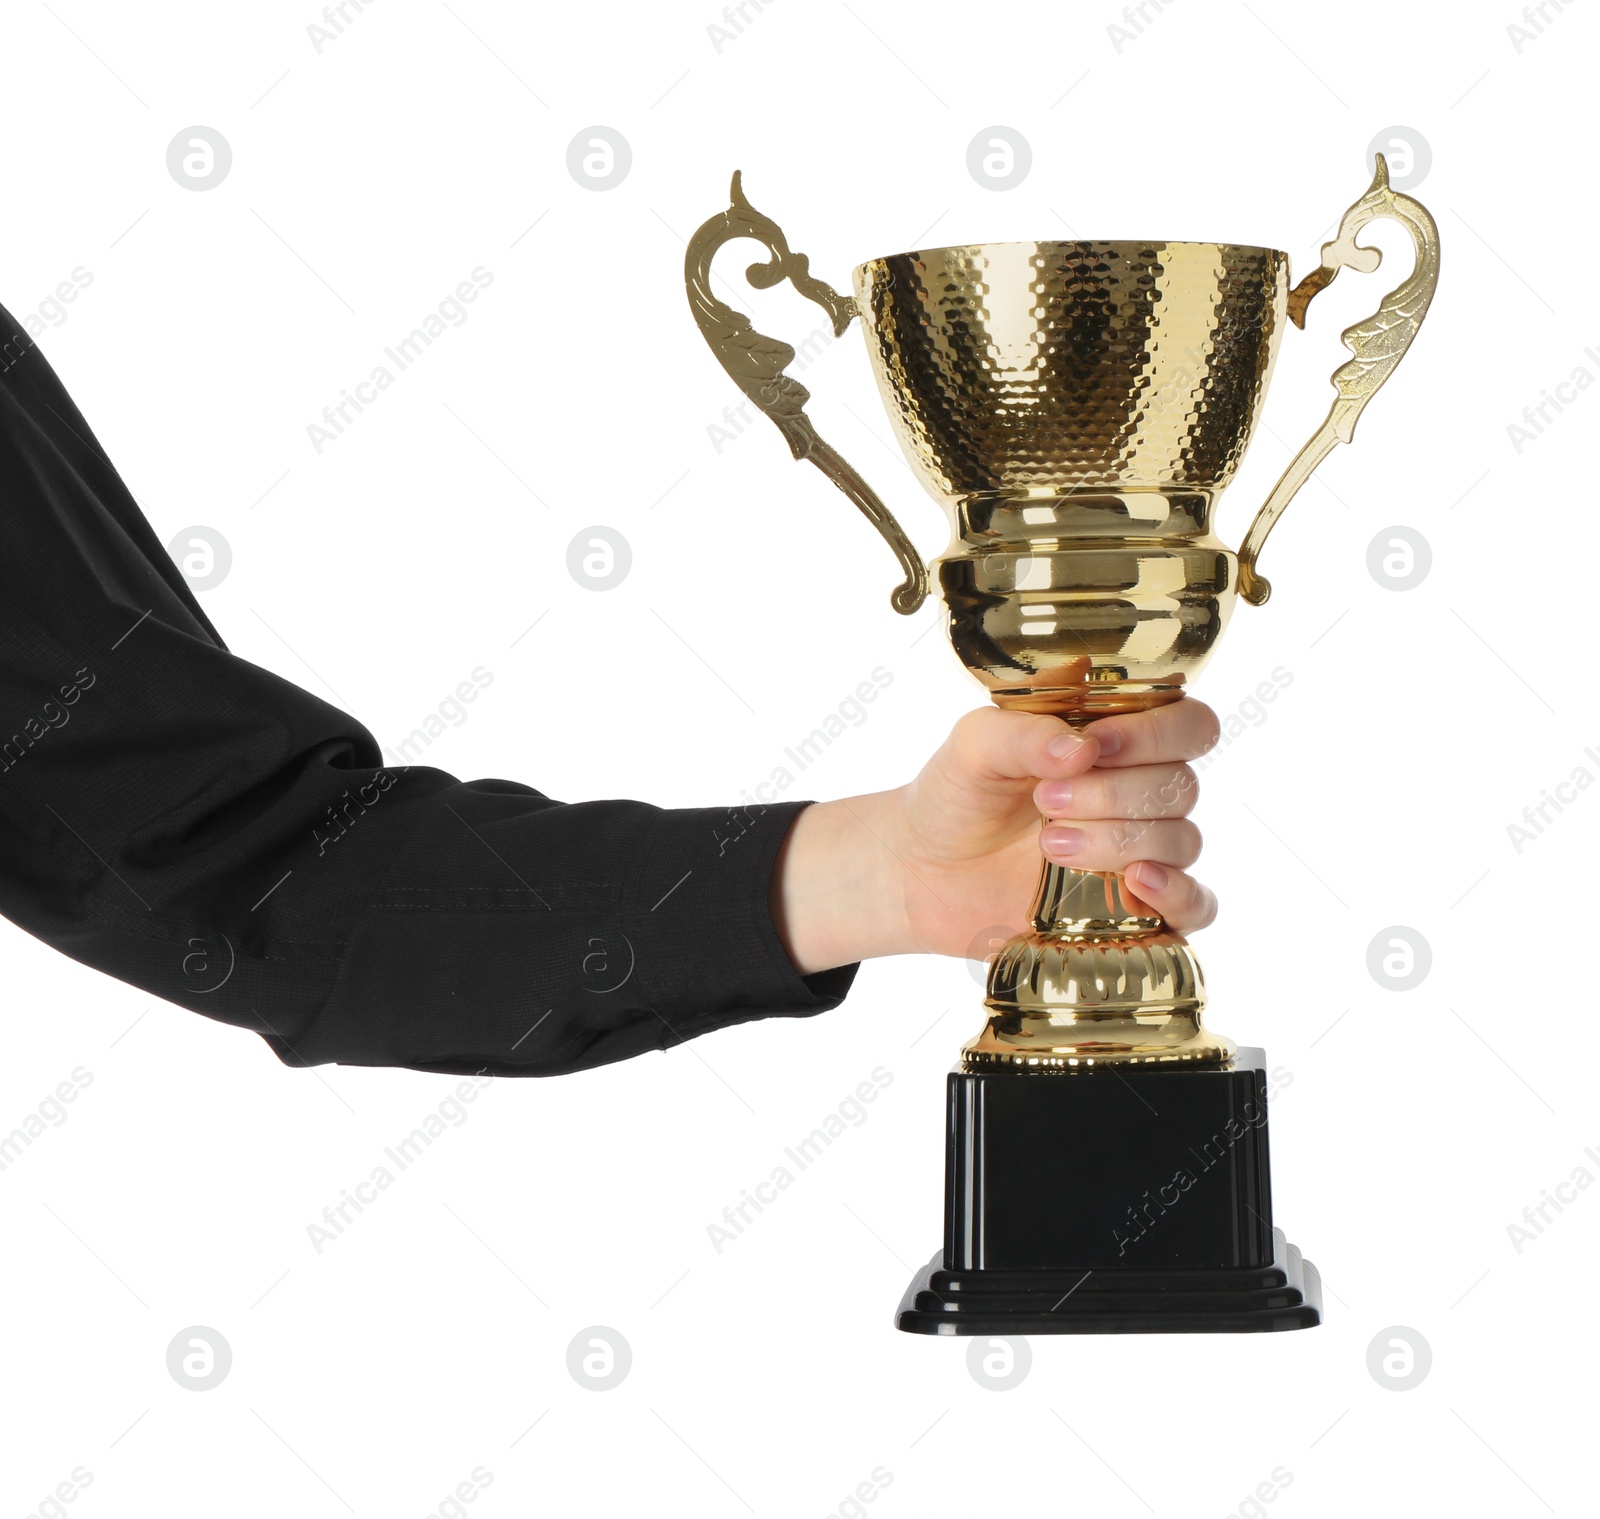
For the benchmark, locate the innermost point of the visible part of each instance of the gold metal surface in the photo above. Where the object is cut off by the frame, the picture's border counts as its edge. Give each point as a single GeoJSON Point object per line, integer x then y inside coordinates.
{"type": "Point", "coordinates": [756, 363]}
{"type": "Point", "coordinates": [1077, 408]}
{"type": "Point", "coordinates": [1378, 343]}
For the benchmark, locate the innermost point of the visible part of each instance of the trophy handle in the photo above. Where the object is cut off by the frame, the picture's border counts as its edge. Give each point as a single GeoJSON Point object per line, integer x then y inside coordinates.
{"type": "Point", "coordinates": [1378, 343]}
{"type": "Point", "coordinates": [756, 364]}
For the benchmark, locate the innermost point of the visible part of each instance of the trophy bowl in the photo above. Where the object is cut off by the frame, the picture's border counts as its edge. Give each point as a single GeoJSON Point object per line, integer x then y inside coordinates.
{"type": "Point", "coordinates": [1077, 407]}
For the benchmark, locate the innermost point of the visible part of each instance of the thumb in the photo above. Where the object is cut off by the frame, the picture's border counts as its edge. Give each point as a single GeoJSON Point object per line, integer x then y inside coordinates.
{"type": "Point", "coordinates": [989, 747]}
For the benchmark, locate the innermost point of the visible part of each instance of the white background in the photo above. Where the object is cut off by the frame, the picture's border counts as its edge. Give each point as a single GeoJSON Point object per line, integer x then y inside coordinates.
{"type": "Point", "coordinates": [430, 1339]}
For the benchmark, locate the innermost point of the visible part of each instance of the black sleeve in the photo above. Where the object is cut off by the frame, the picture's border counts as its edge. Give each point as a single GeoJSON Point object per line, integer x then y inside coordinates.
{"type": "Point", "coordinates": [197, 826]}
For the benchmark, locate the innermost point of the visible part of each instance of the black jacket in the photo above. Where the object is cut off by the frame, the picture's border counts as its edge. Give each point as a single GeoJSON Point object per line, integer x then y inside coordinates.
{"type": "Point", "coordinates": [193, 824]}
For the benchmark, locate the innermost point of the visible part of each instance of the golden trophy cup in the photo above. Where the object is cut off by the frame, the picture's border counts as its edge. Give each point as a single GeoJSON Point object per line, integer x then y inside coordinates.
{"type": "Point", "coordinates": [1078, 407]}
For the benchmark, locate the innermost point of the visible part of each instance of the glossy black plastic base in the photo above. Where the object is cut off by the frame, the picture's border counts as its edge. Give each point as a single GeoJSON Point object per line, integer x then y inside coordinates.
{"type": "Point", "coordinates": [1111, 1202]}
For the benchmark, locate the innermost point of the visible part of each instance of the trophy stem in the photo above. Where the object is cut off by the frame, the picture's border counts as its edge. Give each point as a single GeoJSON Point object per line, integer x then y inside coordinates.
{"type": "Point", "coordinates": [1099, 979]}
{"type": "Point", "coordinates": [1088, 903]}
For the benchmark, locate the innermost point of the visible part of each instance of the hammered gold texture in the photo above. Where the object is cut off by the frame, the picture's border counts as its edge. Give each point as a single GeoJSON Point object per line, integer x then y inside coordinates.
{"type": "Point", "coordinates": [1077, 406]}
{"type": "Point", "coordinates": [1016, 367]}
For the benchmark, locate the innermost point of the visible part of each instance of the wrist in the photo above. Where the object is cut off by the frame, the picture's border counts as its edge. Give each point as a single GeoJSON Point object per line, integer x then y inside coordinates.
{"type": "Point", "coordinates": [836, 894]}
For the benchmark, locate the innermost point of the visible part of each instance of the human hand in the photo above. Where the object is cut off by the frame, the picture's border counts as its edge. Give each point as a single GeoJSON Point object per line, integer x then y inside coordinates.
{"type": "Point", "coordinates": [928, 867]}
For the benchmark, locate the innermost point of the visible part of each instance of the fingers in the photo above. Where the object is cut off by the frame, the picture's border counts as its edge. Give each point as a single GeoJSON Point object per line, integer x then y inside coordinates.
{"type": "Point", "coordinates": [1179, 898]}
{"type": "Point", "coordinates": [1004, 747]}
{"type": "Point", "coordinates": [1183, 730]}
{"type": "Point", "coordinates": [1136, 792]}
{"type": "Point", "coordinates": [1111, 845]}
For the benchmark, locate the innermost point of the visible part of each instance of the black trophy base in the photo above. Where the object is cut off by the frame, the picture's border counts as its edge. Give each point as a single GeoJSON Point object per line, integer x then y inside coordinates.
{"type": "Point", "coordinates": [1132, 1201]}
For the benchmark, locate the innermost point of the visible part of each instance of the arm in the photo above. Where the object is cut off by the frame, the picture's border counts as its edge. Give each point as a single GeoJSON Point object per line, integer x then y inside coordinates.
{"type": "Point", "coordinates": [190, 823]}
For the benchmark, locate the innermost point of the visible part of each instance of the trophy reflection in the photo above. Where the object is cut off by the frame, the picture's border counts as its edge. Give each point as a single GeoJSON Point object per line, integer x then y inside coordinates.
{"type": "Point", "coordinates": [1078, 407]}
